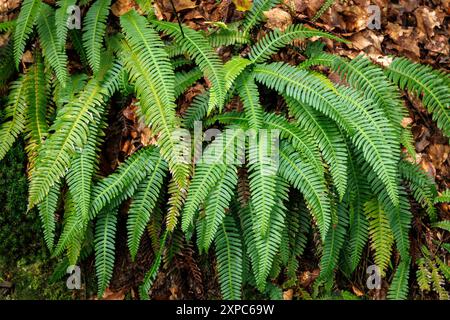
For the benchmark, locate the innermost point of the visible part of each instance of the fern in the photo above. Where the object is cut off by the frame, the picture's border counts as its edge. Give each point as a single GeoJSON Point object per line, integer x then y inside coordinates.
{"type": "Point", "coordinates": [255, 14]}
{"type": "Point", "coordinates": [70, 131]}
{"type": "Point", "coordinates": [444, 197]}
{"type": "Point", "coordinates": [143, 204]}
{"type": "Point", "coordinates": [399, 286]}
{"type": "Point", "coordinates": [94, 27]}
{"type": "Point", "coordinates": [155, 89]}
{"type": "Point", "coordinates": [381, 236]}
{"type": "Point", "coordinates": [47, 211]}
{"type": "Point", "coordinates": [27, 18]}
{"type": "Point", "coordinates": [121, 185]}
{"type": "Point", "coordinates": [325, 6]}
{"type": "Point", "coordinates": [216, 207]}
{"type": "Point", "coordinates": [105, 233]}
{"type": "Point", "coordinates": [201, 52]}
{"type": "Point", "coordinates": [444, 225]}
{"type": "Point", "coordinates": [185, 80]}
{"type": "Point", "coordinates": [277, 39]}
{"type": "Point", "coordinates": [54, 55]}
{"type": "Point", "coordinates": [61, 20]}
{"type": "Point", "coordinates": [229, 259]}
{"type": "Point", "coordinates": [15, 114]}
{"type": "Point", "coordinates": [421, 80]}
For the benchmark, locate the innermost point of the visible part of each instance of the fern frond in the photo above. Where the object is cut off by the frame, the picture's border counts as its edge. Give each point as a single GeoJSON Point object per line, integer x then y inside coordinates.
{"type": "Point", "coordinates": [443, 198]}
{"type": "Point", "coordinates": [227, 37]}
{"type": "Point", "coordinates": [94, 28]}
{"type": "Point", "coordinates": [185, 79]}
{"type": "Point", "coordinates": [55, 56]}
{"type": "Point", "coordinates": [277, 39]}
{"type": "Point", "coordinates": [143, 203]}
{"type": "Point", "coordinates": [329, 140]}
{"type": "Point", "coordinates": [29, 11]}
{"type": "Point", "coordinates": [61, 20]}
{"type": "Point", "coordinates": [303, 177]}
{"type": "Point", "coordinates": [6, 26]}
{"type": "Point", "coordinates": [37, 99]}
{"type": "Point", "coordinates": [149, 66]}
{"type": "Point", "coordinates": [363, 75]}
{"type": "Point", "coordinates": [71, 130]}
{"type": "Point", "coordinates": [263, 167]}
{"type": "Point", "coordinates": [422, 186]}
{"type": "Point", "coordinates": [421, 80]}
{"type": "Point", "coordinates": [233, 69]}
{"type": "Point", "coordinates": [381, 237]}
{"type": "Point", "coordinates": [15, 114]}
{"type": "Point", "coordinates": [324, 7]}
{"type": "Point", "coordinates": [249, 94]}
{"type": "Point", "coordinates": [399, 286]}
{"type": "Point", "coordinates": [255, 15]}
{"type": "Point", "coordinates": [121, 184]}
{"type": "Point", "coordinates": [444, 225]}
{"type": "Point", "coordinates": [104, 244]}
{"type": "Point", "coordinates": [198, 48]}
{"type": "Point", "coordinates": [47, 211]}
{"type": "Point", "coordinates": [438, 283]}
{"type": "Point", "coordinates": [423, 275]}
{"type": "Point", "coordinates": [229, 259]}
{"type": "Point", "coordinates": [216, 159]}
{"type": "Point", "coordinates": [197, 110]}
{"type": "Point", "coordinates": [334, 241]}
{"type": "Point", "coordinates": [216, 206]}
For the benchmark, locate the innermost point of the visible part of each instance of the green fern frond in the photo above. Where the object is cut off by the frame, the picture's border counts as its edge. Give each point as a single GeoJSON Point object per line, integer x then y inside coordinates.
{"type": "Point", "coordinates": [444, 197]}
{"type": "Point", "coordinates": [185, 79]}
{"type": "Point", "coordinates": [29, 12]}
{"type": "Point", "coordinates": [70, 132]}
{"type": "Point", "coordinates": [227, 37]}
{"type": "Point", "coordinates": [275, 40]}
{"type": "Point", "coordinates": [233, 69]}
{"type": "Point", "coordinates": [177, 198]}
{"type": "Point", "coordinates": [47, 211]}
{"type": "Point", "coordinates": [255, 15]}
{"type": "Point", "coordinates": [104, 244]}
{"type": "Point", "coordinates": [361, 74]}
{"type": "Point", "coordinates": [422, 185]}
{"type": "Point", "coordinates": [15, 115]}
{"type": "Point", "coordinates": [143, 204]}
{"type": "Point", "coordinates": [208, 172]}
{"type": "Point", "coordinates": [421, 80]}
{"type": "Point", "coordinates": [438, 283]}
{"type": "Point", "coordinates": [229, 259]}
{"type": "Point", "coordinates": [37, 99]}
{"type": "Point", "coordinates": [55, 56]}
{"type": "Point", "coordinates": [303, 177]}
{"type": "Point", "coordinates": [444, 225]}
{"type": "Point", "coordinates": [329, 140]}
{"type": "Point", "coordinates": [381, 237]}
{"type": "Point", "coordinates": [150, 68]}
{"type": "Point", "coordinates": [94, 28]}
{"type": "Point", "coordinates": [423, 275]}
{"type": "Point", "coordinates": [6, 64]}
{"type": "Point", "coordinates": [324, 7]}
{"type": "Point", "coordinates": [198, 48]}
{"type": "Point", "coordinates": [249, 94]}
{"type": "Point", "coordinates": [216, 206]}
{"type": "Point", "coordinates": [7, 26]}
{"type": "Point", "coordinates": [334, 241]}
{"type": "Point", "coordinates": [121, 184]}
{"type": "Point", "coordinates": [399, 286]}
{"type": "Point", "coordinates": [197, 110]}
{"type": "Point", "coordinates": [61, 19]}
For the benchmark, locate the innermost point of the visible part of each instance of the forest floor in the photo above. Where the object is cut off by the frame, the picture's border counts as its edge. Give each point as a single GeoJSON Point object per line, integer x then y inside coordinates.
{"type": "Point", "coordinates": [415, 29]}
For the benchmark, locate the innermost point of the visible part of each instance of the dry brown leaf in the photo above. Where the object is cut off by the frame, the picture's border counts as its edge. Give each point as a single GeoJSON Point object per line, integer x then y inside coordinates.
{"type": "Point", "coordinates": [427, 20]}
{"type": "Point", "coordinates": [120, 7]}
{"type": "Point", "coordinates": [357, 292]}
{"type": "Point", "coordinates": [110, 295]}
{"type": "Point", "coordinates": [288, 294]}
{"type": "Point", "coordinates": [277, 19]}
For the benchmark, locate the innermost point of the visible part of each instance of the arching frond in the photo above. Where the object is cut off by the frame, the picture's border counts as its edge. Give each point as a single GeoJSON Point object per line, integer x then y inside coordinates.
{"type": "Point", "coordinates": [399, 286]}
{"type": "Point", "coordinates": [94, 28]}
{"type": "Point", "coordinates": [255, 14]}
{"type": "Point", "coordinates": [277, 39]}
{"type": "Point", "coordinates": [29, 11]}
{"type": "Point", "coordinates": [421, 80]}
{"type": "Point", "coordinates": [229, 259]}
{"type": "Point", "coordinates": [198, 48]}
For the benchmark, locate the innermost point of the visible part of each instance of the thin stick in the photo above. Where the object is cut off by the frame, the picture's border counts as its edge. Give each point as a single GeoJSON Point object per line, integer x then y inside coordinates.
{"type": "Point", "coordinates": [178, 18]}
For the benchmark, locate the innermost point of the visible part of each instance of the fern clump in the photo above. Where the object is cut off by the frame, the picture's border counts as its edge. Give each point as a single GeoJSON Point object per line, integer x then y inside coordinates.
{"type": "Point", "coordinates": [324, 165]}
